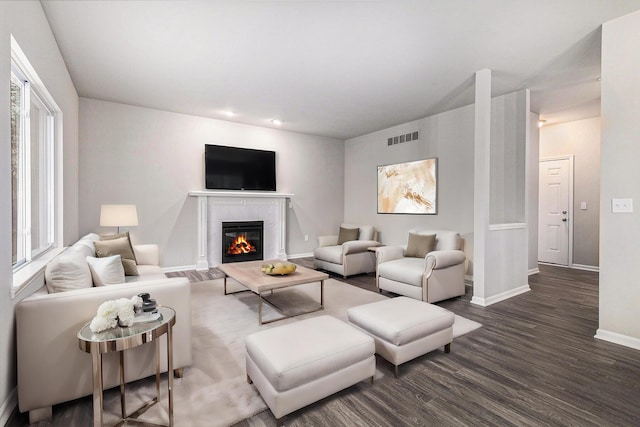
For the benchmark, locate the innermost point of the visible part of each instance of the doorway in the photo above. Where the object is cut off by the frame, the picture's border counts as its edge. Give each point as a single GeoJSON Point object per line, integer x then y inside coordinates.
{"type": "Point", "coordinates": [555, 215]}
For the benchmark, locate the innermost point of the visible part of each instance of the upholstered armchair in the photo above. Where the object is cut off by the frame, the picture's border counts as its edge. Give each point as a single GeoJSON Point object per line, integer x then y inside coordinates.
{"type": "Point", "coordinates": [347, 253]}
{"type": "Point", "coordinates": [430, 267]}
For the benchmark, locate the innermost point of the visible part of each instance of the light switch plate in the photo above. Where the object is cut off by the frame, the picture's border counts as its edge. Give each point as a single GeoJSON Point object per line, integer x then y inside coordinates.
{"type": "Point", "coordinates": [622, 205]}
{"type": "Point", "coordinates": [583, 206]}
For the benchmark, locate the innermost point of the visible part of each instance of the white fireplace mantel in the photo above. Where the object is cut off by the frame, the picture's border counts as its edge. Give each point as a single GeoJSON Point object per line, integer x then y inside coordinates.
{"type": "Point", "coordinates": [217, 206]}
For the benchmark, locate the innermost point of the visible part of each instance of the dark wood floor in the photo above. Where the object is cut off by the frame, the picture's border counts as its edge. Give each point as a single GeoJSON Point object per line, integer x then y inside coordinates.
{"type": "Point", "coordinates": [533, 363]}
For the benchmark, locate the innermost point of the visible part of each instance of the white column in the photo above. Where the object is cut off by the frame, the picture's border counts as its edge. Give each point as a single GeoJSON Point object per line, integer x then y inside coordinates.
{"type": "Point", "coordinates": [202, 263]}
{"type": "Point", "coordinates": [282, 232]}
{"type": "Point", "coordinates": [481, 186]}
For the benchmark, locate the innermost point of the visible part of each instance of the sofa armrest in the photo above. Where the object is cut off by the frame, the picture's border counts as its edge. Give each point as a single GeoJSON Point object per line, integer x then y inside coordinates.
{"type": "Point", "coordinates": [327, 240]}
{"type": "Point", "coordinates": [147, 254]}
{"type": "Point", "coordinates": [442, 259]}
{"type": "Point", "coordinates": [51, 367]}
{"type": "Point", "coordinates": [357, 246]}
{"type": "Point", "coordinates": [388, 253]}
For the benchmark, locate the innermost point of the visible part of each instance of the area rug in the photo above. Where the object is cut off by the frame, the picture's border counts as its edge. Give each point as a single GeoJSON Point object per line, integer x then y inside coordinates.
{"type": "Point", "coordinates": [214, 390]}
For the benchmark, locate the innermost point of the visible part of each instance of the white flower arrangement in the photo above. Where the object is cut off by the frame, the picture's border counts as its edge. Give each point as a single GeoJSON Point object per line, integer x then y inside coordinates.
{"type": "Point", "coordinates": [115, 312]}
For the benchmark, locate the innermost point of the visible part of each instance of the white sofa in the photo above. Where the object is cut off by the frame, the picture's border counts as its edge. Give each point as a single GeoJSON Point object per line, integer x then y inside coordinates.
{"type": "Point", "coordinates": [349, 258]}
{"type": "Point", "coordinates": [436, 277]}
{"type": "Point", "coordinates": [51, 366]}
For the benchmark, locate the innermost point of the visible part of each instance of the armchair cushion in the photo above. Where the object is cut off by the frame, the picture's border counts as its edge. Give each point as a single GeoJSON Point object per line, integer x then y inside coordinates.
{"type": "Point", "coordinates": [347, 234]}
{"type": "Point", "coordinates": [329, 253]}
{"type": "Point", "coordinates": [407, 270]}
{"type": "Point", "coordinates": [419, 245]}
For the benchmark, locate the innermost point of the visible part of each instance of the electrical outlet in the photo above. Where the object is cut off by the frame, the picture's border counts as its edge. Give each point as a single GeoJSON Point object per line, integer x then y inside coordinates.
{"type": "Point", "coordinates": [622, 205]}
{"type": "Point", "coordinates": [306, 237]}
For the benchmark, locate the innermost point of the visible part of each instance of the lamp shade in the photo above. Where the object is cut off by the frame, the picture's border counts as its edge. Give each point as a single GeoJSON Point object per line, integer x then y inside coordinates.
{"type": "Point", "coordinates": [118, 216]}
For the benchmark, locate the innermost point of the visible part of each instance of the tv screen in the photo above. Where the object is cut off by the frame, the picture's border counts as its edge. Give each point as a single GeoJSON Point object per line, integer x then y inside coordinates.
{"type": "Point", "coordinates": [232, 168]}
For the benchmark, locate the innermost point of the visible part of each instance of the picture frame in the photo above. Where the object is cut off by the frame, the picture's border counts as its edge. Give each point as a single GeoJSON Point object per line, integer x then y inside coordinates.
{"type": "Point", "coordinates": [408, 188]}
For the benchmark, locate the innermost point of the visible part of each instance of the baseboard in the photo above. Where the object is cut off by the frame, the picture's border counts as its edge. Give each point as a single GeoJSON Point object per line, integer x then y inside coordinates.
{"type": "Point", "coordinates": [616, 338]}
{"type": "Point", "coordinates": [533, 271]}
{"type": "Point", "coordinates": [586, 267]}
{"type": "Point", "coordinates": [299, 256]}
{"type": "Point", "coordinates": [179, 268]}
{"type": "Point", "coordinates": [8, 406]}
{"type": "Point", "coordinates": [484, 302]}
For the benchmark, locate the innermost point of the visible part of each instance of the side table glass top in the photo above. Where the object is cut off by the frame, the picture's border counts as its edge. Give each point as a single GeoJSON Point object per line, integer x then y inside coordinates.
{"type": "Point", "coordinates": [122, 338]}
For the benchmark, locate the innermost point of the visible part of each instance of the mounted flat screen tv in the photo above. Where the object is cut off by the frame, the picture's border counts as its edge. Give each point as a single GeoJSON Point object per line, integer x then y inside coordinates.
{"type": "Point", "coordinates": [232, 168]}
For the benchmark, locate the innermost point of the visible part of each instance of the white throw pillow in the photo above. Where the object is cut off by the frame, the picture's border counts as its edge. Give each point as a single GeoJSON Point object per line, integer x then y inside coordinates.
{"type": "Point", "coordinates": [366, 232]}
{"type": "Point", "coordinates": [68, 271]}
{"type": "Point", "coordinates": [107, 270]}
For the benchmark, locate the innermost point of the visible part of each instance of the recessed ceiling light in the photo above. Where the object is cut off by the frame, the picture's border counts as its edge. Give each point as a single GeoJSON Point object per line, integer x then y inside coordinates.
{"type": "Point", "coordinates": [276, 122]}
{"type": "Point", "coordinates": [229, 113]}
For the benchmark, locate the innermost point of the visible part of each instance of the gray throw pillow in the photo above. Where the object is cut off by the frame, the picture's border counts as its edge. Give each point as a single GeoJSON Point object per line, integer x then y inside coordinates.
{"type": "Point", "coordinates": [419, 245]}
{"type": "Point", "coordinates": [108, 246]}
{"type": "Point", "coordinates": [347, 234]}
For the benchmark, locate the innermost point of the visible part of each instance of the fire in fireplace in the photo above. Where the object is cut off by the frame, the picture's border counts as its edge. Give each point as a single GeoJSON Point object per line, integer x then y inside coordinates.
{"type": "Point", "coordinates": [242, 241]}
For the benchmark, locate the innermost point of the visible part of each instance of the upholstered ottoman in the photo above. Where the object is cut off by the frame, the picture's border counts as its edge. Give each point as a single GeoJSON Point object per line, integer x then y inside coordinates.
{"type": "Point", "coordinates": [404, 328]}
{"type": "Point", "coordinates": [300, 363]}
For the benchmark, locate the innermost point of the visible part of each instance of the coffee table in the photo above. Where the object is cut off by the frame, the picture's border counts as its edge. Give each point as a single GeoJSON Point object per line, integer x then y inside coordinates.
{"type": "Point", "coordinates": [248, 274]}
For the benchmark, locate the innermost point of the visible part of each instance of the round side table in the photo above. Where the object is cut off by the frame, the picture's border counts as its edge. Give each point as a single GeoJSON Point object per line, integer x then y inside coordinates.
{"type": "Point", "coordinates": [120, 339]}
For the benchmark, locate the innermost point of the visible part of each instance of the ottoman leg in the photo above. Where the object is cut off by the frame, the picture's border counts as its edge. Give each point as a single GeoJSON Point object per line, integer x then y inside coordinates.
{"type": "Point", "coordinates": [447, 348]}
{"type": "Point", "coordinates": [396, 370]}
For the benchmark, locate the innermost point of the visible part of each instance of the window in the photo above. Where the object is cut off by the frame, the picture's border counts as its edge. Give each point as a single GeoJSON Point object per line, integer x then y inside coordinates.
{"type": "Point", "coordinates": [32, 163]}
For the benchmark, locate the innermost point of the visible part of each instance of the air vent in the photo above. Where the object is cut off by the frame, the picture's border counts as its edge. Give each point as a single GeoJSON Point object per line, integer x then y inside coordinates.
{"type": "Point", "coordinates": [400, 139]}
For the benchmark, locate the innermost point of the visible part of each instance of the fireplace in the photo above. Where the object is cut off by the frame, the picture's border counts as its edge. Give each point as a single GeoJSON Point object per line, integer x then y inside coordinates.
{"type": "Point", "coordinates": [242, 241]}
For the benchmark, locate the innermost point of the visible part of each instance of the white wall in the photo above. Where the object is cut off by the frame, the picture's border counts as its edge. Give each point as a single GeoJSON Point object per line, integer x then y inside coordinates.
{"type": "Point", "coordinates": [620, 175]}
{"type": "Point", "coordinates": [153, 158]}
{"type": "Point", "coordinates": [447, 136]}
{"type": "Point", "coordinates": [581, 139]}
{"type": "Point", "coordinates": [26, 21]}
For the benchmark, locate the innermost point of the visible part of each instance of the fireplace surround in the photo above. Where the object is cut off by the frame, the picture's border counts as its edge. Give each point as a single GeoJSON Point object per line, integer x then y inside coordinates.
{"type": "Point", "coordinates": [214, 207]}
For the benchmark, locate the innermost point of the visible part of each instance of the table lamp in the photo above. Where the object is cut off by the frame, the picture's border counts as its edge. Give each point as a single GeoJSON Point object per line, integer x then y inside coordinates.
{"type": "Point", "coordinates": [118, 216]}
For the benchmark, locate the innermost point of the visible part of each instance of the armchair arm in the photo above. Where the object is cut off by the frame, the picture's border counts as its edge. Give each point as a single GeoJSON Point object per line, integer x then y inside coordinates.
{"type": "Point", "coordinates": [388, 253]}
{"type": "Point", "coordinates": [357, 246]}
{"type": "Point", "coordinates": [327, 240]}
{"type": "Point", "coordinates": [442, 259]}
{"type": "Point", "coordinates": [147, 254]}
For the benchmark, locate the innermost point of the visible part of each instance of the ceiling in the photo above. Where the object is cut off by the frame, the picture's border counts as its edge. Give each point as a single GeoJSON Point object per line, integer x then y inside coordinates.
{"type": "Point", "coordinates": [334, 68]}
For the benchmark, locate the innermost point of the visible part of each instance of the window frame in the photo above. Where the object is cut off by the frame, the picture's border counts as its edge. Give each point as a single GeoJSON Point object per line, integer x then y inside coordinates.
{"type": "Point", "coordinates": [50, 125]}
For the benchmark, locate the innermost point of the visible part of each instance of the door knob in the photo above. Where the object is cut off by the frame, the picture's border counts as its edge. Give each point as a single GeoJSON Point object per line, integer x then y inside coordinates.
{"type": "Point", "coordinates": [564, 212]}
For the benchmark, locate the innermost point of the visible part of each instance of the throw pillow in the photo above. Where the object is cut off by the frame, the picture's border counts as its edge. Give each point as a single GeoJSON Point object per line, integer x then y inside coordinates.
{"type": "Point", "coordinates": [118, 246]}
{"type": "Point", "coordinates": [419, 245]}
{"type": "Point", "coordinates": [107, 270]}
{"type": "Point", "coordinates": [347, 234]}
{"type": "Point", "coordinates": [119, 236]}
{"type": "Point", "coordinates": [68, 271]}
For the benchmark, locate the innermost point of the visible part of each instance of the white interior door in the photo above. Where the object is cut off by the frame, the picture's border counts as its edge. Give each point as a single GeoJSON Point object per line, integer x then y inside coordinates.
{"type": "Point", "coordinates": [554, 211]}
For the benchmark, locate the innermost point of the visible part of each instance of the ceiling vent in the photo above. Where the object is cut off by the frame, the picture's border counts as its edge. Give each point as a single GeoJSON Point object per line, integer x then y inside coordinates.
{"type": "Point", "coordinates": [402, 138]}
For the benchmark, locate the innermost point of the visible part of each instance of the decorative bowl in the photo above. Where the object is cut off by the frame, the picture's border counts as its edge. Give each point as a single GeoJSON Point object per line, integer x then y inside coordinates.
{"type": "Point", "coordinates": [278, 269]}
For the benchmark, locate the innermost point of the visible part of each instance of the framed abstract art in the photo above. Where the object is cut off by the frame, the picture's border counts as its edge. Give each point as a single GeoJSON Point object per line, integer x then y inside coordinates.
{"type": "Point", "coordinates": [408, 188]}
